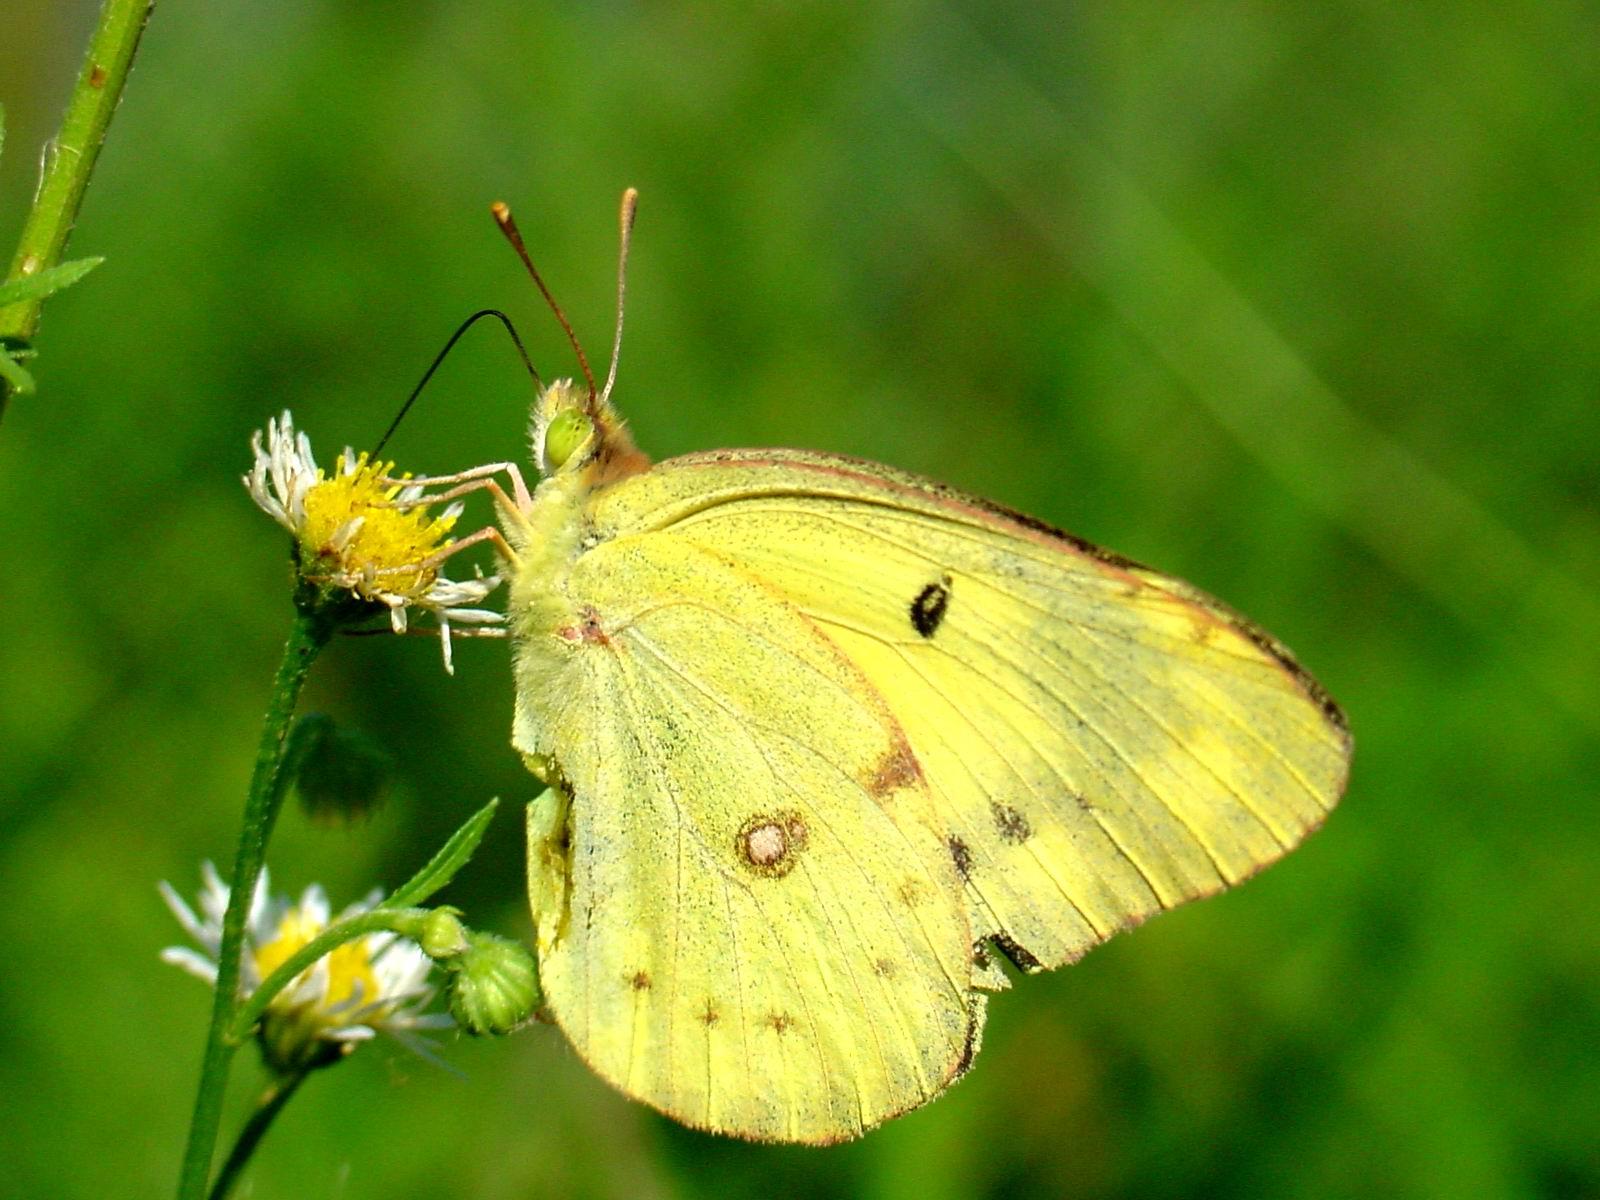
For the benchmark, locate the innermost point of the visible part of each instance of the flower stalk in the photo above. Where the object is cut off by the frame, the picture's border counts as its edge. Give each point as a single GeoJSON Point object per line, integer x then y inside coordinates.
{"type": "Point", "coordinates": [365, 543]}
{"type": "Point", "coordinates": [308, 636]}
{"type": "Point", "coordinates": [272, 1102]}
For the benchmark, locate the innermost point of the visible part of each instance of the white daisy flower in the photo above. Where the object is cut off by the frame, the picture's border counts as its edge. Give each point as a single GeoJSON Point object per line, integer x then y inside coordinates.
{"type": "Point", "coordinates": [362, 531]}
{"type": "Point", "coordinates": [373, 984]}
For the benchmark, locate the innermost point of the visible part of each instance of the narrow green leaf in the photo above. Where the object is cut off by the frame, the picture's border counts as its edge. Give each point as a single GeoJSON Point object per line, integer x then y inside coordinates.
{"type": "Point", "coordinates": [442, 866]}
{"type": "Point", "coordinates": [47, 282]}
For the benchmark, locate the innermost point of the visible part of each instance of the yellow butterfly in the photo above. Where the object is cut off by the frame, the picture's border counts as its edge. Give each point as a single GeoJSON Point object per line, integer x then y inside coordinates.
{"type": "Point", "coordinates": [825, 741]}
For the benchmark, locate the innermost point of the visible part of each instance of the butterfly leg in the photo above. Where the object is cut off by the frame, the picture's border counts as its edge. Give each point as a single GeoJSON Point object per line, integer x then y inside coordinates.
{"type": "Point", "coordinates": [477, 479]}
{"type": "Point", "coordinates": [487, 534]}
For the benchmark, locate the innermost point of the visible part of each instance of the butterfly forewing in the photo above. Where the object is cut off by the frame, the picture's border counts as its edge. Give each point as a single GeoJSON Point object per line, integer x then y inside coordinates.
{"type": "Point", "coordinates": [1100, 741]}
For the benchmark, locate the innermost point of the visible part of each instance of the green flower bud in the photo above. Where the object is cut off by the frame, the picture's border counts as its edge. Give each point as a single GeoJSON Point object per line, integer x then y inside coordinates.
{"type": "Point", "coordinates": [494, 985]}
{"type": "Point", "coordinates": [442, 935]}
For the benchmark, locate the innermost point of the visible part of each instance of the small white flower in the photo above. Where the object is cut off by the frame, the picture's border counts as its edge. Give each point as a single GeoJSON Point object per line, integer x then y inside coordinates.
{"type": "Point", "coordinates": [362, 531]}
{"type": "Point", "coordinates": [377, 983]}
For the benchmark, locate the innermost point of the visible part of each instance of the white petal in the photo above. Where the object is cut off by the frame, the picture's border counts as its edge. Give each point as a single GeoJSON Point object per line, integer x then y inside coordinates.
{"type": "Point", "coordinates": [264, 915]}
{"type": "Point", "coordinates": [180, 910]}
{"type": "Point", "coordinates": [314, 905]}
{"type": "Point", "coordinates": [195, 964]}
{"type": "Point", "coordinates": [213, 897]}
{"type": "Point", "coordinates": [444, 643]}
{"type": "Point", "coordinates": [346, 532]}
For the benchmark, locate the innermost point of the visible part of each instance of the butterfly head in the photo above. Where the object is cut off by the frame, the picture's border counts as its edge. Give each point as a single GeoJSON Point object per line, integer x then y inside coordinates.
{"type": "Point", "coordinates": [577, 433]}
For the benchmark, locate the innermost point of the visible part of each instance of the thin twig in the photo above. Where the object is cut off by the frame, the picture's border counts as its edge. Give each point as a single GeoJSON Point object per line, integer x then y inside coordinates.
{"type": "Point", "coordinates": [70, 158]}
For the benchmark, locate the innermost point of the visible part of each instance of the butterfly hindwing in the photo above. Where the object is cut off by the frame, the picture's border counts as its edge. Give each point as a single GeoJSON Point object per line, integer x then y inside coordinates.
{"type": "Point", "coordinates": [747, 915]}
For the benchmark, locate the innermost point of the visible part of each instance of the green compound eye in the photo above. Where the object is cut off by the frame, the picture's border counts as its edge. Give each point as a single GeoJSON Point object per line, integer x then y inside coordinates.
{"type": "Point", "coordinates": [568, 430]}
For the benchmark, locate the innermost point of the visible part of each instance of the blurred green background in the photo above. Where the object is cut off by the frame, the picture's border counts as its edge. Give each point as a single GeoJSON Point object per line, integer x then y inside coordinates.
{"type": "Point", "coordinates": [1299, 302]}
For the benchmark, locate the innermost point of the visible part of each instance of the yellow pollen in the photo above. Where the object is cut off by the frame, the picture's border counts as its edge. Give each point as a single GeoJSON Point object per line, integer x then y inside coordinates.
{"type": "Point", "coordinates": [349, 967]}
{"type": "Point", "coordinates": [391, 541]}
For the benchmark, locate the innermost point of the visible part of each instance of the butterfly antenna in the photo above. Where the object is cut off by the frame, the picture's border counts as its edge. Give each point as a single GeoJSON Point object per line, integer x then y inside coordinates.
{"type": "Point", "coordinates": [502, 216]}
{"type": "Point", "coordinates": [630, 208]}
{"type": "Point", "coordinates": [439, 358]}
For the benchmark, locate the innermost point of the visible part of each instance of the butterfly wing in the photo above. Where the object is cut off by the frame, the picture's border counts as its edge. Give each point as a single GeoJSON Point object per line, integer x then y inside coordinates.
{"type": "Point", "coordinates": [1101, 741]}
{"type": "Point", "coordinates": [746, 916]}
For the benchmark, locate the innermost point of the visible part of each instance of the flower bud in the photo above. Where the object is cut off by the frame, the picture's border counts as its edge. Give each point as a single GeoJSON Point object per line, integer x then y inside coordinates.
{"type": "Point", "coordinates": [442, 935]}
{"type": "Point", "coordinates": [494, 985]}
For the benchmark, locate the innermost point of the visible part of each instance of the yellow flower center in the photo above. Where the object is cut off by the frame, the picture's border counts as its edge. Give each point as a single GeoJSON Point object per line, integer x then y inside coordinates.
{"type": "Point", "coordinates": [391, 542]}
{"type": "Point", "coordinates": [350, 973]}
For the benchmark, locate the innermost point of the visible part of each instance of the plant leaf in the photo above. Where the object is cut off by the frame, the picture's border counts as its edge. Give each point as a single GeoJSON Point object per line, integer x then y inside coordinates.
{"type": "Point", "coordinates": [47, 282]}
{"type": "Point", "coordinates": [442, 867]}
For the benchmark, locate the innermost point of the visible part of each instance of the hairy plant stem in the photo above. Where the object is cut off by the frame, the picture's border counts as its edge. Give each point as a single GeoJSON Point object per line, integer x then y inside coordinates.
{"type": "Point", "coordinates": [70, 158]}
{"type": "Point", "coordinates": [308, 636]}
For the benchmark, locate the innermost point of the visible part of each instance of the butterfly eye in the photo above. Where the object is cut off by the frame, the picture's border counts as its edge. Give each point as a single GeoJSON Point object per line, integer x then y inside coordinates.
{"type": "Point", "coordinates": [568, 431]}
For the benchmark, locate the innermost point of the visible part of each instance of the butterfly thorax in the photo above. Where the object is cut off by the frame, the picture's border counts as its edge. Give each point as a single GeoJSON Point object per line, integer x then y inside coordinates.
{"type": "Point", "coordinates": [581, 445]}
{"type": "Point", "coordinates": [547, 536]}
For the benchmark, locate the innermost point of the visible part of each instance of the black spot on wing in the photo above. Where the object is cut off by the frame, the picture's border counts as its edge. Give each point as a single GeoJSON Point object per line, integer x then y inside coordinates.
{"type": "Point", "coordinates": [974, 1039]}
{"type": "Point", "coordinates": [928, 607]}
{"type": "Point", "coordinates": [1020, 957]}
{"type": "Point", "coordinates": [961, 856]}
{"type": "Point", "coordinates": [1265, 641]}
{"type": "Point", "coordinates": [1012, 825]}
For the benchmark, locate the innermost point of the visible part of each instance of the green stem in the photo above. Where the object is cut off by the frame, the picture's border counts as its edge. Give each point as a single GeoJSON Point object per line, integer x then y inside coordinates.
{"type": "Point", "coordinates": [267, 1110]}
{"type": "Point", "coordinates": [405, 921]}
{"type": "Point", "coordinates": [70, 157]}
{"type": "Point", "coordinates": [306, 639]}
